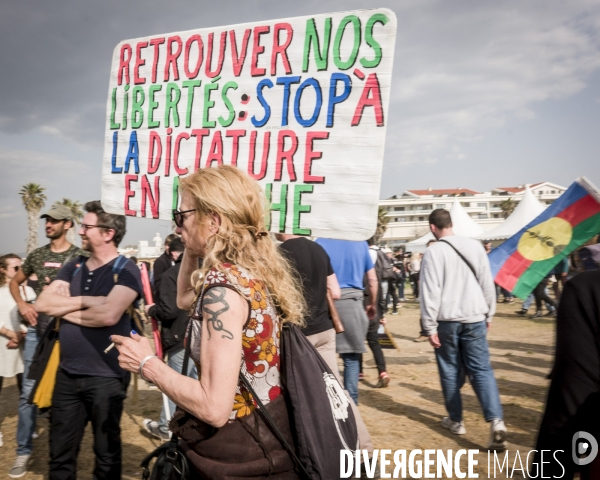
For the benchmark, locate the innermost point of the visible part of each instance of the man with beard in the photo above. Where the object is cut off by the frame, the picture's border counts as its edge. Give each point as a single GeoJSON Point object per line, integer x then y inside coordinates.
{"type": "Point", "coordinates": [45, 262]}
{"type": "Point", "coordinates": [92, 296]}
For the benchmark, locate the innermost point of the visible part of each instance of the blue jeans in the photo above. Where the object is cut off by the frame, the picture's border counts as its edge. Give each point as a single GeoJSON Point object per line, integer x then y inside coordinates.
{"type": "Point", "coordinates": [401, 288]}
{"type": "Point", "coordinates": [175, 361]}
{"type": "Point", "coordinates": [27, 412]}
{"type": "Point", "coordinates": [351, 369]}
{"type": "Point", "coordinates": [464, 346]}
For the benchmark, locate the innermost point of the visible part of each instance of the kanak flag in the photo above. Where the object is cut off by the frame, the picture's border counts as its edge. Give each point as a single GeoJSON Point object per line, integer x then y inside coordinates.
{"type": "Point", "coordinates": [521, 262]}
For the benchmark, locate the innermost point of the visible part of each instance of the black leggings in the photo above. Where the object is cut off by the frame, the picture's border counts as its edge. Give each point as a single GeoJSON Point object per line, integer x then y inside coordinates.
{"type": "Point", "coordinates": [541, 296]}
{"type": "Point", "coordinates": [375, 346]}
{"type": "Point", "coordinates": [415, 279]}
{"type": "Point", "coordinates": [19, 381]}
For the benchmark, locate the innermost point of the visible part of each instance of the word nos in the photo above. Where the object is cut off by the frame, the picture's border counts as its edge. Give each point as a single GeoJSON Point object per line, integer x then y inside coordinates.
{"type": "Point", "coordinates": [419, 464]}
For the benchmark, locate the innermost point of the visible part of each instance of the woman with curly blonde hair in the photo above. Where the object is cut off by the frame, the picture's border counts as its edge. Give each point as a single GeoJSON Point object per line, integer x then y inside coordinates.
{"type": "Point", "coordinates": [240, 298]}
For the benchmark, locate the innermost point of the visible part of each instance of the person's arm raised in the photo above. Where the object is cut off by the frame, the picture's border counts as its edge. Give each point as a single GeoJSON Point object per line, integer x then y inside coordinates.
{"type": "Point", "coordinates": [211, 397]}
{"type": "Point", "coordinates": [185, 289]}
{"type": "Point", "coordinates": [104, 314]}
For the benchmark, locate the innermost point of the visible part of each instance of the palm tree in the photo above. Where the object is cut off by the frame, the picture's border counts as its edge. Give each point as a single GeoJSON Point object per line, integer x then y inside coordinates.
{"type": "Point", "coordinates": [77, 213]}
{"type": "Point", "coordinates": [507, 206]}
{"type": "Point", "coordinates": [382, 222]}
{"type": "Point", "coordinates": [34, 200]}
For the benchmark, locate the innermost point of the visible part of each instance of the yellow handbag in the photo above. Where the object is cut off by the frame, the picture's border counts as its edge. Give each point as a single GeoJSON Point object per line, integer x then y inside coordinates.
{"type": "Point", "coordinates": [45, 387]}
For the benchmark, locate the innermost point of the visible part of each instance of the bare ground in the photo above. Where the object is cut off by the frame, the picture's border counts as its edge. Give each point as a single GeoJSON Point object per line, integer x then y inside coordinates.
{"type": "Point", "coordinates": [406, 415]}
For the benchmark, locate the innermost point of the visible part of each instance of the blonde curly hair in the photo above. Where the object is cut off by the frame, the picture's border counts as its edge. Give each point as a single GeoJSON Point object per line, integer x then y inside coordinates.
{"type": "Point", "coordinates": [242, 238]}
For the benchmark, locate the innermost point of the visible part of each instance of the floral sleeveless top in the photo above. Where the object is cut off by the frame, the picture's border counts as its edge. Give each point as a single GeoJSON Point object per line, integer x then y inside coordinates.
{"type": "Point", "coordinates": [260, 337]}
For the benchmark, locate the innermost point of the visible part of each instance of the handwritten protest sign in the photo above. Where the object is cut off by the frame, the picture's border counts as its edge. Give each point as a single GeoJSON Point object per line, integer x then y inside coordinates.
{"type": "Point", "coordinates": [300, 104]}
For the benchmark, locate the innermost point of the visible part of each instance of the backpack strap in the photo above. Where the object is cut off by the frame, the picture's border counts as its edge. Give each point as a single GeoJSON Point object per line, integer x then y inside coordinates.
{"type": "Point", "coordinates": [78, 268]}
{"type": "Point", "coordinates": [118, 267]}
{"type": "Point", "coordinates": [269, 420]}
{"type": "Point", "coordinates": [462, 257]}
{"type": "Point", "coordinates": [466, 261]}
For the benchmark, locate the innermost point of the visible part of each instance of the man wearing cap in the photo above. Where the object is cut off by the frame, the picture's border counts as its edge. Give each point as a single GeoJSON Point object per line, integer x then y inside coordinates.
{"type": "Point", "coordinates": [45, 262]}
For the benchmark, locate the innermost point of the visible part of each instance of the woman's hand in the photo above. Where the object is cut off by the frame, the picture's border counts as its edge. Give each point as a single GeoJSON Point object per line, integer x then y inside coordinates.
{"type": "Point", "coordinates": [132, 351]}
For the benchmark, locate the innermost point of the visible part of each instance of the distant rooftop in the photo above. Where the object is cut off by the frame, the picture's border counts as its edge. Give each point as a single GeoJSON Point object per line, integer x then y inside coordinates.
{"type": "Point", "coordinates": [466, 192]}
{"type": "Point", "coordinates": [517, 189]}
{"type": "Point", "coordinates": [445, 191]}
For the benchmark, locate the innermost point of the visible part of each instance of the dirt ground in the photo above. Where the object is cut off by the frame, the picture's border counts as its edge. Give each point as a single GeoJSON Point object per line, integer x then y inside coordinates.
{"type": "Point", "coordinates": [406, 415]}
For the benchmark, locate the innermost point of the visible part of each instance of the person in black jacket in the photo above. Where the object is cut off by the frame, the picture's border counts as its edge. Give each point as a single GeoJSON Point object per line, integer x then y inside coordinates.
{"type": "Point", "coordinates": [173, 323]}
{"type": "Point", "coordinates": [163, 263]}
{"type": "Point", "coordinates": [574, 395]}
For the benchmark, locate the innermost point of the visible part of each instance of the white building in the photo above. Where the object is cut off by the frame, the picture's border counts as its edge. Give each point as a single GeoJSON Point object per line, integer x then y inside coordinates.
{"type": "Point", "coordinates": [151, 251]}
{"type": "Point", "coordinates": [409, 211]}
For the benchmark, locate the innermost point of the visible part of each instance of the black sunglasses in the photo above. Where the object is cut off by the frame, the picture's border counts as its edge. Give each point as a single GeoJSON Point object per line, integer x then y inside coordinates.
{"type": "Point", "coordinates": [178, 217]}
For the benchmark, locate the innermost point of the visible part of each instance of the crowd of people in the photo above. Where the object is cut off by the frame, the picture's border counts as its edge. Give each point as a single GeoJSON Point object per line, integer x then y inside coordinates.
{"type": "Point", "coordinates": [223, 290]}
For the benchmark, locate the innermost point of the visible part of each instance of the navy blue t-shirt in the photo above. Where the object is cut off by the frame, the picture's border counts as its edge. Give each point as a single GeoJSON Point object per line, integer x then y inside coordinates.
{"type": "Point", "coordinates": [82, 348]}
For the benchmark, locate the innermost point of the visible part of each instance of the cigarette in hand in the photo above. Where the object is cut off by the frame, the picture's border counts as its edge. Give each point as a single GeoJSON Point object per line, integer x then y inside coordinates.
{"type": "Point", "coordinates": [110, 347]}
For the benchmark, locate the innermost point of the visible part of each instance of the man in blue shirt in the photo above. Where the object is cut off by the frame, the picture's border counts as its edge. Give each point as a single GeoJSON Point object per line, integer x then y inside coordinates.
{"type": "Point", "coordinates": [350, 262]}
{"type": "Point", "coordinates": [91, 295]}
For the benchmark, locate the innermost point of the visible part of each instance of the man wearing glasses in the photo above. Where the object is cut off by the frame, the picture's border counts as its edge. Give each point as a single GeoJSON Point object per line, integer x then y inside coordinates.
{"type": "Point", "coordinates": [92, 296]}
{"type": "Point", "coordinates": [45, 262]}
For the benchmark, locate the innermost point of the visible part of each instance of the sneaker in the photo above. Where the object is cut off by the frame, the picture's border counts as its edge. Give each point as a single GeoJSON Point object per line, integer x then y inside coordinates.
{"type": "Point", "coordinates": [498, 434]}
{"type": "Point", "coordinates": [384, 380]}
{"type": "Point", "coordinates": [19, 469]}
{"type": "Point", "coordinates": [552, 313]}
{"type": "Point", "coordinates": [395, 312]}
{"type": "Point", "coordinates": [152, 428]}
{"type": "Point", "coordinates": [521, 312]}
{"type": "Point", "coordinates": [511, 300]}
{"type": "Point", "coordinates": [422, 338]}
{"type": "Point", "coordinates": [537, 314]}
{"type": "Point", "coordinates": [35, 436]}
{"type": "Point", "coordinates": [361, 377]}
{"type": "Point", "coordinates": [457, 428]}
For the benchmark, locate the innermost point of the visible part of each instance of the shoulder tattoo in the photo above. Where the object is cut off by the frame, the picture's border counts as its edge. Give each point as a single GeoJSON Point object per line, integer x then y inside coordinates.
{"type": "Point", "coordinates": [215, 297]}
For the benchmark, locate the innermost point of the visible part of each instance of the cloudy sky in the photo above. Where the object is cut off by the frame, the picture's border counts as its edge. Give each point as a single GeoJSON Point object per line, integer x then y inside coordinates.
{"type": "Point", "coordinates": [484, 94]}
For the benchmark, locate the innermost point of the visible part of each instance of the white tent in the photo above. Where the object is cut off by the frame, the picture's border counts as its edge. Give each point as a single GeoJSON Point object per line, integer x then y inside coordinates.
{"type": "Point", "coordinates": [462, 224]}
{"type": "Point", "coordinates": [528, 208]}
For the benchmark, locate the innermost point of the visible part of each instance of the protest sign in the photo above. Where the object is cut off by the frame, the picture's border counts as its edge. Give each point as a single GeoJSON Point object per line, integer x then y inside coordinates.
{"type": "Point", "coordinates": [300, 104]}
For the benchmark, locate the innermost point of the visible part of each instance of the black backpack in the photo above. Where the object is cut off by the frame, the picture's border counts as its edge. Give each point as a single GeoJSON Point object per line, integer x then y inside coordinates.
{"type": "Point", "coordinates": [320, 410]}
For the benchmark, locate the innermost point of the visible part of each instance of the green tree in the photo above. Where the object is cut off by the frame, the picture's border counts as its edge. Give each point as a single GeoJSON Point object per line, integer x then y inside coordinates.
{"type": "Point", "coordinates": [507, 206]}
{"type": "Point", "coordinates": [77, 212]}
{"type": "Point", "coordinates": [34, 199]}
